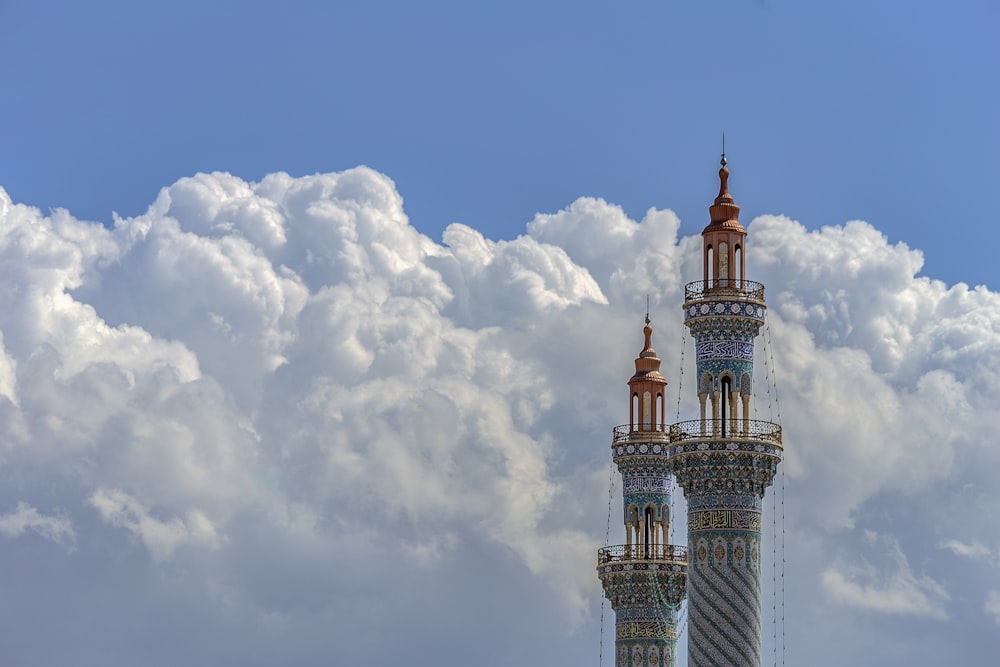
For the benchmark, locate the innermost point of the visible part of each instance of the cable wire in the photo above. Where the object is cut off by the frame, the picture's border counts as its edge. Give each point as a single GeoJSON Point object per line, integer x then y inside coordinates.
{"type": "Point", "coordinates": [777, 405]}
{"type": "Point", "coordinates": [607, 537]}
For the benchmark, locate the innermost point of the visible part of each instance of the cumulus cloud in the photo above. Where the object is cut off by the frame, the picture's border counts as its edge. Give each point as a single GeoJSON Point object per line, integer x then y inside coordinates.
{"type": "Point", "coordinates": [320, 424]}
{"type": "Point", "coordinates": [160, 537]}
{"type": "Point", "coordinates": [55, 527]}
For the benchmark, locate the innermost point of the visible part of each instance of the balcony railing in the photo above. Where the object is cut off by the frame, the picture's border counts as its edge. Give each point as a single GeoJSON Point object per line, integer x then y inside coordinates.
{"type": "Point", "coordinates": [738, 429]}
{"type": "Point", "coordinates": [724, 288]}
{"type": "Point", "coordinates": [640, 433]}
{"type": "Point", "coordinates": [642, 552]}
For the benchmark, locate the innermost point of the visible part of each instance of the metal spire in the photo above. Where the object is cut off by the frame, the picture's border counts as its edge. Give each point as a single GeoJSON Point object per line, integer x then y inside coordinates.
{"type": "Point", "coordinates": [723, 161]}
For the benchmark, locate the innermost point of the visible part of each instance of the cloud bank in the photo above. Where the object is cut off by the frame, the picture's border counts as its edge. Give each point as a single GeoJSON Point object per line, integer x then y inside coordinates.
{"type": "Point", "coordinates": [279, 424]}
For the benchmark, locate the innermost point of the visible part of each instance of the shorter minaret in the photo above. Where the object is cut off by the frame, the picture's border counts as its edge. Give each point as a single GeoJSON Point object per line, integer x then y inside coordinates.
{"type": "Point", "coordinates": [645, 578]}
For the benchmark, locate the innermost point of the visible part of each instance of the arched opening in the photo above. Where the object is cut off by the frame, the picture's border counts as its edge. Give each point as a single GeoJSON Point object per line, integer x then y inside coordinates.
{"type": "Point", "coordinates": [709, 266]}
{"type": "Point", "coordinates": [727, 387]}
{"type": "Point", "coordinates": [738, 273]}
{"type": "Point", "coordinates": [633, 415]}
{"type": "Point", "coordinates": [647, 536]}
{"type": "Point", "coordinates": [659, 420]}
{"type": "Point", "coordinates": [647, 411]}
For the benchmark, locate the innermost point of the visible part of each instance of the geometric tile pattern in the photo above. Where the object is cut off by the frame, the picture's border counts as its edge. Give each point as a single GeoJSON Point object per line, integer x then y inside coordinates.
{"type": "Point", "coordinates": [646, 580]}
{"type": "Point", "coordinates": [724, 467]}
{"type": "Point", "coordinates": [724, 461]}
{"type": "Point", "coordinates": [724, 601]}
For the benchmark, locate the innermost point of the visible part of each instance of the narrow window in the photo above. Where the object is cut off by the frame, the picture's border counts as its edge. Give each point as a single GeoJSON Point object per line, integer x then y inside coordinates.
{"type": "Point", "coordinates": [648, 530]}
{"type": "Point", "coordinates": [739, 266]}
{"type": "Point", "coordinates": [659, 412]}
{"type": "Point", "coordinates": [726, 388]}
{"type": "Point", "coordinates": [647, 408]}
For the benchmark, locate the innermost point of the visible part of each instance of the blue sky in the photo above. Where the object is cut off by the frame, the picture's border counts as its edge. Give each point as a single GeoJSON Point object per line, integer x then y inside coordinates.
{"type": "Point", "coordinates": [486, 113]}
{"type": "Point", "coordinates": [337, 384]}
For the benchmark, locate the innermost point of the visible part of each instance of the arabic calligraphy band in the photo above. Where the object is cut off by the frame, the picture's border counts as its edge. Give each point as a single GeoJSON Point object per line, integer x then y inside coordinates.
{"type": "Point", "coordinates": [724, 519]}
{"type": "Point", "coordinates": [644, 630]}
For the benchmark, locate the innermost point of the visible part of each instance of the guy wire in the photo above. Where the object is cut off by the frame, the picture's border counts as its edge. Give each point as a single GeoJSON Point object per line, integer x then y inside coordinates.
{"type": "Point", "coordinates": [607, 537]}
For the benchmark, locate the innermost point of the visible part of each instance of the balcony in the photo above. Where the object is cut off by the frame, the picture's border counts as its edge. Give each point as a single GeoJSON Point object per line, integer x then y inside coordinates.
{"type": "Point", "coordinates": [640, 433]}
{"type": "Point", "coordinates": [724, 288]}
{"type": "Point", "coordinates": [731, 429]}
{"type": "Point", "coordinates": [630, 553]}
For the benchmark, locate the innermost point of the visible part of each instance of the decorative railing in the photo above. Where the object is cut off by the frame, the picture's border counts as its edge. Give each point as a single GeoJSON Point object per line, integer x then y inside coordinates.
{"type": "Point", "coordinates": [641, 433]}
{"type": "Point", "coordinates": [724, 288]}
{"type": "Point", "coordinates": [738, 429]}
{"type": "Point", "coordinates": [633, 552]}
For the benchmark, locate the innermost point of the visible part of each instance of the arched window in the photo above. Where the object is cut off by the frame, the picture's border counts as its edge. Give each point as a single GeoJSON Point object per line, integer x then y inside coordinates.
{"type": "Point", "coordinates": [660, 411]}
{"type": "Point", "coordinates": [647, 532]}
{"type": "Point", "coordinates": [727, 386]}
{"type": "Point", "coordinates": [710, 266]}
{"type": "Point", "coordinates": [633, 417]}
{"type": "Point", "coordinates": [738, 272]}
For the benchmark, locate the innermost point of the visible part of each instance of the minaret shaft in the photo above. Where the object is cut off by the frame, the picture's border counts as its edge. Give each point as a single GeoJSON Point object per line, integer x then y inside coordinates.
{"type": "Point", "coordinates": [724, 461]}
{"type": "Point", "coordinates": [645, 578]}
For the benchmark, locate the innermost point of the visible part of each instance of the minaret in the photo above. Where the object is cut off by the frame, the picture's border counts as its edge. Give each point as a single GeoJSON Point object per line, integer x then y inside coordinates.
{"type": "Point", "coordinates": [644, 578]}
{"type": "Point", "coordinates": [724, 461]}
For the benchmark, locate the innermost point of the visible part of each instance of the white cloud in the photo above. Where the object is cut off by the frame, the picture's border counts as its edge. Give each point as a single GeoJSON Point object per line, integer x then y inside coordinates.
{"type": "Point", "coordinates": [55, 527]}
{"type": "Point", "coordinates": [630, 260]}
{"type": "Point", "coordinates": [160, 537]}
{"type": "Point", "coordinates": [303, 408]}
{"type": "Point", "coordinates": [976, 550]}
{"type": "Point", "coordinates": [891, 588]}
{"type": "Point", "coordinates": [875, 362]}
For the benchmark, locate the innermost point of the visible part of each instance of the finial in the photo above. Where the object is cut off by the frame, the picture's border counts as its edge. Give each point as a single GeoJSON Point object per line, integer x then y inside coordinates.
{"type": "Point", "coordinates": [647, 310]}
{"type": "Point", "coordinates": [723, 161]}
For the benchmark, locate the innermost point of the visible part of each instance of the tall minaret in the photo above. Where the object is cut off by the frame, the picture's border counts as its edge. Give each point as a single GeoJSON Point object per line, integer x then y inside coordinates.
{"type": "Point", "coordinates": [724, 461]}
{"type": "Point", "coordinates": [644, 578]}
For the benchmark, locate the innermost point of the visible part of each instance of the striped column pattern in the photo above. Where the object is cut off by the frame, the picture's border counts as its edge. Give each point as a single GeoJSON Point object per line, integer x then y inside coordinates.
{"type": "Point", "coordinates": [646, 579]}
{"type": "Point", "coordinates": [724, 599]}
{"type": "Point", "coordinates": [724, 482]}
{"type": "Point", "coordinates": [725, 459]}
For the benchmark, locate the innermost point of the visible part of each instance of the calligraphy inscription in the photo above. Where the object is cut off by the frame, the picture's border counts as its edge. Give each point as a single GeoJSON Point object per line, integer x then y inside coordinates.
{"type": "Point", "coordinates": [721, 349]}
{"type": "Point", "coordinates": [648, 484]}
{"type": "Point", "coordinates": [644, 630]}
{"type": "Point", "coordinates": [715, 519]}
